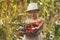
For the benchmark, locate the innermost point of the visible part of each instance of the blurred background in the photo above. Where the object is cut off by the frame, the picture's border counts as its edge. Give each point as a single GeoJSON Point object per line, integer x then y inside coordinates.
{"type": "Point", "coordinates": [13, 12]}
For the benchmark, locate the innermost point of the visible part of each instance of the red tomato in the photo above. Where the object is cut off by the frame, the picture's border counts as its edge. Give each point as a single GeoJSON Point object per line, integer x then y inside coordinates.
{"type": "Point", "coordinates": [34, 25]}
{"type": "Point", "coordinates": [30, 30]}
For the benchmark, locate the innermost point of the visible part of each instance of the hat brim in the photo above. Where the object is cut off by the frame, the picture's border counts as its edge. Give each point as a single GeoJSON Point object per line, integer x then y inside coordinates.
{"type": "Point", "coordinates": [33, 10]}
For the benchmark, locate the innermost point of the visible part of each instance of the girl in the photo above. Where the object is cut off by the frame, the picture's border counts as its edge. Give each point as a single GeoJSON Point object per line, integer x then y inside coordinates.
{"type": "Point", "coordinates": [33, 18]}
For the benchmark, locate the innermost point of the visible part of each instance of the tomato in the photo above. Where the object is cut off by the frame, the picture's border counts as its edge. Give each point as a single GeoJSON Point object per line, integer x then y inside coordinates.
{"type": "Point", "coordinates": [29, 30]}
{"type": "Point", "coordinates": [34, 24]}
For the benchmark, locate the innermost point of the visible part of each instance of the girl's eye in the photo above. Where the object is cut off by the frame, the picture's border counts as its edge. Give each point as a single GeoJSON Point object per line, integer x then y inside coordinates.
{"type": "Point", "coordinates": [33, 11]}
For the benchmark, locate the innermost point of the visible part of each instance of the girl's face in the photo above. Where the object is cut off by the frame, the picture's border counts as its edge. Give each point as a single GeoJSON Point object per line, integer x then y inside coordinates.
{"type": "Point", "coordinates": [33, 14]}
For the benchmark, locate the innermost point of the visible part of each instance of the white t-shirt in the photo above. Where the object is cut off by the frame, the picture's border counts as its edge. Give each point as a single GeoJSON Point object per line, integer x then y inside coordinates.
{"type": "Point", "coordinates": [39, 37]}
